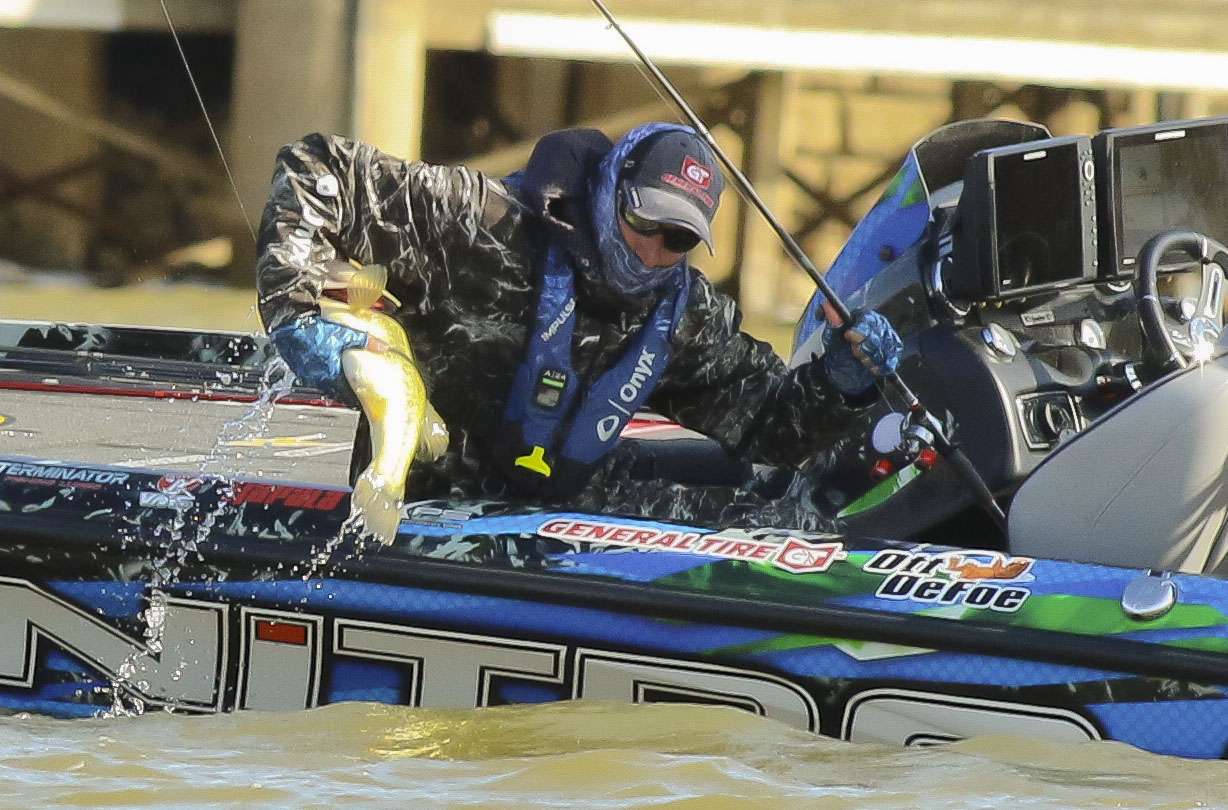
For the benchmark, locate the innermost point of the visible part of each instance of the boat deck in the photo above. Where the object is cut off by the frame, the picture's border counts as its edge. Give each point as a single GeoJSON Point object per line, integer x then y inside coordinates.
{"type": "Point", "coordinates": [148, 430]}
{"type": "Point", "coordinates": [291, 442]}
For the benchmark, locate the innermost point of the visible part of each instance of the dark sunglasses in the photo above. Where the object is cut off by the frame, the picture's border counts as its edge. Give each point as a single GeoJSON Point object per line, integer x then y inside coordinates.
{"type": "Point", "coordinates": [676, 240]}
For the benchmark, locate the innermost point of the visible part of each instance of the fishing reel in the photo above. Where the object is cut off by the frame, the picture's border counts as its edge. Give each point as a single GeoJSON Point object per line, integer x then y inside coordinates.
{"type": "Point", "coordinates": [904, 439]}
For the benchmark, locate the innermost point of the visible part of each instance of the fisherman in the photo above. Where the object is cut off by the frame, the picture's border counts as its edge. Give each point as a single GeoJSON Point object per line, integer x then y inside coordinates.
{"type": "Point", "coordinates": [546, 308]}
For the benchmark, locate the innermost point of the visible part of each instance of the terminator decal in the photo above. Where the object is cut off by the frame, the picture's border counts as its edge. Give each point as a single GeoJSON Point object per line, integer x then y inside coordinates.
{"type": "Point", "coordinates": [59, 475]}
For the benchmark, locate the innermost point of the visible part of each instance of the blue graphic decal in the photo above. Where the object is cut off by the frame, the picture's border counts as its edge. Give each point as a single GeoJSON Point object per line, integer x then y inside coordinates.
{"type": "Point", "coordinates": [114, 600]}
{"type": "Point", "coordinates": [629, 565]}
{"type": "Point", "coordinates": [930, 667]}
{"type": "Point", "coordinates": [367, 680]}
{"type": "Point", "coordinates": [21, 701]}
{"type": "Point", "coordinates": [1183, 728]}
{"type": "Point", "coordinates": [526, 524]}
{"type": "Point", "coordinates": [483, 614]}
{"type": "Point", "coordinates": [525, 692]}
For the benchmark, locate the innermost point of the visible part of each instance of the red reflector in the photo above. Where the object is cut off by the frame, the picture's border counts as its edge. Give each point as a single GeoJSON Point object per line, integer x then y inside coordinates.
{"type": "Point", "coordinates": [281, 632]}
{"type": "Point", "coordinates": [881, 469]}
{"type": "Point", "coordinates": [927, 458]}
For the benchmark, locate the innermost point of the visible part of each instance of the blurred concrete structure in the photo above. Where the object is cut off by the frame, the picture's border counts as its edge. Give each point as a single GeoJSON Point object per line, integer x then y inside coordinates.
{"type": "Point", "coordinates": [819, 130]}
{"type": "Point", "coordinates": [65, 61]}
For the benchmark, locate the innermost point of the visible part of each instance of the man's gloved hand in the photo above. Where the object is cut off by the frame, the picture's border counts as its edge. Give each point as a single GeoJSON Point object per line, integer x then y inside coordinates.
{"type": "Point", "coordinates": [870, 348]}
{"type": "Point", "coordinates": [312, 347]}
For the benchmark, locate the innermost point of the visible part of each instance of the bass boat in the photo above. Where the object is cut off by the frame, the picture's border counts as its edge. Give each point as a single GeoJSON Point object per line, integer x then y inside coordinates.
{"type": "Point", "coordinates": [1060, 301]}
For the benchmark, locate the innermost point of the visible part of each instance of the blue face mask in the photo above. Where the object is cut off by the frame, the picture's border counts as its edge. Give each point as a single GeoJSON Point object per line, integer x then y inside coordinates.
{"type": "Point", "coordinates": [620, 269]}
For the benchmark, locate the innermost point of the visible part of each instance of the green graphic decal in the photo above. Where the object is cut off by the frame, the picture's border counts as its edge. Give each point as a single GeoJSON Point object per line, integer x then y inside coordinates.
{"type": "Point", "coordinates": [1082, 615]}
{"type": "Point", "coordinates": [881, 491]}
{"type": "Point", "coordinates": [854, 648]}
{"type": "Point", "coordinates": [782, 643]}
{"type": "Point", "coordinates": [755, 580]}
{"type": "Point", "coordinates": [913, 193]}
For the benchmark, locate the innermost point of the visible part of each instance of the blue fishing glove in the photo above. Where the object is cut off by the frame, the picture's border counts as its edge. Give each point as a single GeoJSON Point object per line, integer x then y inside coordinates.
{"type": "Point", "coordinates": [312, 347]}
{"type": "Point", "coordinates": [869, 348]}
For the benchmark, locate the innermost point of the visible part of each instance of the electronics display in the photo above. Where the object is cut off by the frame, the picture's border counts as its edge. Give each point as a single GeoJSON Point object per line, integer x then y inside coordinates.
{"type": "Point", "coordinates": [1158, 178]}
{"type": "Point", "coordinates": [1027, 220]}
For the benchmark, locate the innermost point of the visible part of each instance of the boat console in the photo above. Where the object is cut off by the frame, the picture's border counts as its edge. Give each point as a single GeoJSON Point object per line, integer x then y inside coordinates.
{"type": "Point", "coordinates": [1017, 300]}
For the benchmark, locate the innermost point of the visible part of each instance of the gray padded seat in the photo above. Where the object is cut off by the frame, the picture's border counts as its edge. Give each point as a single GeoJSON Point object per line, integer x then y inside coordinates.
{"type": "Point", "coordinates": [1144, 487]}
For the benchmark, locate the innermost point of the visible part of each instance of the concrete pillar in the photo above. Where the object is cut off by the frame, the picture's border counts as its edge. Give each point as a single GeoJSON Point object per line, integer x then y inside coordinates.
{"type": "Point", "coordinates": [607, 88]}
{"type": "Point", "coordinates": [1141, 108]}
{"type": "Point", "coordinates": [533, 94]}
{"type": "Point", "coordinates": [292, 77]}
{"type": "Point", "coordinates": [67, 66]}
{"type": "Point", "coordinates": [721, 268]}
{"type": "Point", "coordinates": [1198, 105]}
{"type": "Point", "coordinates": [762, 258]}
{"type": "Point", "coordinates": [390, 74]}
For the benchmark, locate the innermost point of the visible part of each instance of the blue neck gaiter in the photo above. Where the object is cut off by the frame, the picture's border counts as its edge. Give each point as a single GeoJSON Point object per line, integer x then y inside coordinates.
{"type": "Point", "coordinates": [620, 269]}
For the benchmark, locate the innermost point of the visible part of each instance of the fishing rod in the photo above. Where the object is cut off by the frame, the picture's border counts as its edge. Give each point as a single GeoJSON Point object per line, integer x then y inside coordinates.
{"type": "Point", "coordinates": [838, 314]}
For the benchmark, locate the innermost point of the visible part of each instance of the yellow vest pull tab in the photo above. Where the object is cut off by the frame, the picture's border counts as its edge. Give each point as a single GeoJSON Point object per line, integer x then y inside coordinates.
{"type": "Point", "coordinates": [535, 461]}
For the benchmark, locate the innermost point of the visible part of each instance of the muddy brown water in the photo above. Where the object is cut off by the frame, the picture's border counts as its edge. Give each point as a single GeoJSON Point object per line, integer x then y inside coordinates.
{"type": "Point", "coordinates": [559, 755]}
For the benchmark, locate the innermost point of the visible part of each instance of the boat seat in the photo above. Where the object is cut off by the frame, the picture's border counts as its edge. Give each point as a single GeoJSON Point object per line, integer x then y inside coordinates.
{"type": "Point", "coordinates": [1144, 487]}
{"type": "Point", "coordinates": [697, 461]}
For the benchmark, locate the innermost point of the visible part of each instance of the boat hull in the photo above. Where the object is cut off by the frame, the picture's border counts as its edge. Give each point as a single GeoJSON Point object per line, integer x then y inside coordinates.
{"type": "Point", "coordinates": [125, 590]}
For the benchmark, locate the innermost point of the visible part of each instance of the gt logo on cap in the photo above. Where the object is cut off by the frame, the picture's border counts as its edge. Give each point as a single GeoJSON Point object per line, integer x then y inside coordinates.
{"type": "Point", "coordinates": [696, 172]}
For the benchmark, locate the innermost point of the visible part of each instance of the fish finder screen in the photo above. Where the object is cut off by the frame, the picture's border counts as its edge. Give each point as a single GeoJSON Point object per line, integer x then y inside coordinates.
{"type": "Point", "coordinates": [1168, 180]}
{"type": "Point", "coordinates": [1039, 224]}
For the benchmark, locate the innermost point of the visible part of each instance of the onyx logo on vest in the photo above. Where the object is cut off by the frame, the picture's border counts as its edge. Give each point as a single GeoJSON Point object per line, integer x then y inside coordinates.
{"type": "Point", "coordinates": [607, 426]}
{"type": "Point", "coordinates": [641, 375]}
{"type": "Point", "coordinates": [627, 393]}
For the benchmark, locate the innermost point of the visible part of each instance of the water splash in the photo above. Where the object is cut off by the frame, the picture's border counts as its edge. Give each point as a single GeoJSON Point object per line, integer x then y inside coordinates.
{"type": "Point", "coordinates": [353, 530]}
{"type": "Point", "coordinates": [253, 423]}
{"type": "Point", "coordinates": [178, 537]}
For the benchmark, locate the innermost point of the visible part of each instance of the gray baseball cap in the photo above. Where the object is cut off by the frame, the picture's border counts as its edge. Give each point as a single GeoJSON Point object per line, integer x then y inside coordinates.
{"type": "Point", "coordinates": [672, 178]}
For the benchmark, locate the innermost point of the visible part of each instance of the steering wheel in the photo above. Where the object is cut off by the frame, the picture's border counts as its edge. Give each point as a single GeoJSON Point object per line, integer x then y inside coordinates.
{"type": "Point", "coordinates": [1171, 340]}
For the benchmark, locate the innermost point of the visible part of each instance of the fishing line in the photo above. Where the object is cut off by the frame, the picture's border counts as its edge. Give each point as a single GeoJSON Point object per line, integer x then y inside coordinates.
{"type": "Point", "coordinates": [216, 142]}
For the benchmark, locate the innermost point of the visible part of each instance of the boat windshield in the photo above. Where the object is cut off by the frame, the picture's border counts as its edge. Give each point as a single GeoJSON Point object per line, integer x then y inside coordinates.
{"type": "Point", "coordinates": [898, 220]}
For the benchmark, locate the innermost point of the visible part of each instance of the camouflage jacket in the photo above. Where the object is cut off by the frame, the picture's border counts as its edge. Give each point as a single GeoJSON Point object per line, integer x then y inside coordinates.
{"type": "Point", "coordinates": [461, 250]}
